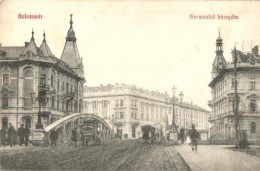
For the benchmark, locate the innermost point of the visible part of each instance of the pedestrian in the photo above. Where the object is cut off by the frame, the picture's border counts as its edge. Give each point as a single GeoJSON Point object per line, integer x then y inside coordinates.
{"type": "Point", "coordinates": [54, 137]}
{"type": "Point", "coordinates": [21, 134]}
{"type": "Point", "coordinates": [182, 135]}
{"type": "Point", "coordinates": [3, 136]}
{"type": "Point", "coordinates": [194, 136]}
{"type": "Point", "coordinates": [27, 133]}
{"type": "Point", "coordinates": [11, 135]}
{"type": "Point", "coordinates": [74, 136]}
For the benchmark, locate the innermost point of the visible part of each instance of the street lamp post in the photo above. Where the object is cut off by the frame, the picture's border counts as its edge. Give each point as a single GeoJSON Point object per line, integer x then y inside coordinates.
{"type": "Point", "coordinates": [43, 99]}
{"type": "Point", "coordinates": [173, 132]}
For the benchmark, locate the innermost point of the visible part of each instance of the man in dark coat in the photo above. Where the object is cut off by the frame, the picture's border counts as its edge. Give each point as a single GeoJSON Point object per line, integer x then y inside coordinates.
{"type": "Point", "coordinates": [11, 134]}
{"type": "Point", "coordinates": [21, 134]}
{"type": "Point", "coordinates": [53, 137]}
{"type": "Point", "coordinates": [194, 136]}
{"type": "Point", "coordinates": [3, 136]}
{"type": "Point", "coordinates": [182, 135]}
{"type": "Point", "coordinates": [74, 136]}
{"type": "Point", "coordinates": [27, 133]}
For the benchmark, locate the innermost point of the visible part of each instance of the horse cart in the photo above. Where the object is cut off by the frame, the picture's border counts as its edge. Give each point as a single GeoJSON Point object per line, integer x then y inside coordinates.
{"type": "Point", "coordinates": [89, 133]}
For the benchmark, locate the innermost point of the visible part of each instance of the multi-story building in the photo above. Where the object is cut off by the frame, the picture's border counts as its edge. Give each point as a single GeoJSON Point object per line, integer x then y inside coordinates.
{"type": "Point", "coordinates": [30, 73]}
{"type": "Point", "coordinates": [126, 108]}
{"type": "Point", "coordinates": [222, 86]}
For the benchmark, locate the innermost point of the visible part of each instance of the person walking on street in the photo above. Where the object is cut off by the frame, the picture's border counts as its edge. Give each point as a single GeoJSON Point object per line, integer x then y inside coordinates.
{"type": "Point", "coordinates": [182, 135]}
{"type": "Point", "coordinates": [27, 133]}
{"type": "Point", "coordinates": [53, 137]}
{"type": "Point", "coordinates": [11, 135]}
{"type": "Point", "coordinates": [21, 134]}
{"type": "Point", "coordinates": [74, 136]}
{"type": "Point", "coordinates": [3, 136]}
{"type": "Point", "coordinates": [194, 136]}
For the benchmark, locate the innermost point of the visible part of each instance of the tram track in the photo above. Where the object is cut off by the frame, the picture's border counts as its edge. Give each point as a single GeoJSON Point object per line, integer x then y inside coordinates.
{"type": "Point", "coordinates": [109, 155]}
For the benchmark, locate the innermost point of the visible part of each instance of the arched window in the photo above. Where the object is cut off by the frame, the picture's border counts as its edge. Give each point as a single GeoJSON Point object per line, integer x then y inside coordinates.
{"type": "Point", "coordinates": [4, 123]}
{"type": "Point", "coordinates": [253, 127]}
{"type": "Point", "coordinates": [28, 86]}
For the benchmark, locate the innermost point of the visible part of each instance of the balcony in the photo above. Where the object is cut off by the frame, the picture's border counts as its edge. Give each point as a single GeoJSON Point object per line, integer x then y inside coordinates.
{"type": "Point", "coordinates": [119, 121]}
{"type": "Point", "coordinates": [68, 96]}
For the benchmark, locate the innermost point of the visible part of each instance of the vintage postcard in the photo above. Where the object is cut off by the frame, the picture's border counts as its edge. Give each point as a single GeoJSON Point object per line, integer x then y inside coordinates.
{"type": "Point", "coordinates": [129, 85]}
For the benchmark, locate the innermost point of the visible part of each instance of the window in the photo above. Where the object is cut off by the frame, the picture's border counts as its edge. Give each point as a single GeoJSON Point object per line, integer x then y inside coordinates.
{"type": "Point", "coordinates": [252, 83]}
{"type": "Point", "coordinates": [253, 127]}
{"type": "Point", "coordinates": [67, 88]}
{"type": "Point", "coordinates": [121, 103]}
{"type": "Point", "coordinates": [80, 106]}
{"type": "Point", "coordinates": [28, 54]}
{"type": "Point", "coordinates": [104, 104]}
{"type": "Point", "coordinates": [121, 115]}
{"type": "Point", "coordinates": [52, 80]}
{"type": "Point", "coordinates": [252, 62]}
{"type": "Point", "coordinates": [58, 85]}
{"type": "Point", "coordinates": [117, 103]}
{"type": "Point", "coordinates": [58, 102]}
{"type": "Point", "coordinates": [62, 86]}
{"type": "Point", "coordinates": [94, 104]}
{"type": "Point", "coordinates": [5, 79]}
{"type": "Point", "coordinates": [4, 123]}
{"type": "Point", "coordinates": [52, 101]}
{"type": "Point", "coordinates": [252, 105]}
{"type": "Point", "coordinates": [28, 122]}
{"type": "Point", "coordinates": [43, 79]}
{"type": "Point", "coordinates": [5, 101]}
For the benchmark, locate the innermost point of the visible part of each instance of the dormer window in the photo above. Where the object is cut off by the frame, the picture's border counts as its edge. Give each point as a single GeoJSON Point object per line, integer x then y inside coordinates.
{"type": "Point", "coordinates": [252, 62]}
{"type": "Point", "coordinates": [28, 54]}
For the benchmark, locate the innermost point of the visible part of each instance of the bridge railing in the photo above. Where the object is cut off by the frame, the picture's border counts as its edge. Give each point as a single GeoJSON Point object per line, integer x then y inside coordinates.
{"type": "Point", "coordinates": [65, 125]}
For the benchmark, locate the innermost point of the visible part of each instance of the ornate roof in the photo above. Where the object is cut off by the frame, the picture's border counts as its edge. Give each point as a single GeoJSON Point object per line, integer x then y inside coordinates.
{"type": "Point", "coordinates": [32, 47]}
{"type": "Point", "coordinates": [70, 53]}
{"type": "Point", "coordinates": [44, 48]}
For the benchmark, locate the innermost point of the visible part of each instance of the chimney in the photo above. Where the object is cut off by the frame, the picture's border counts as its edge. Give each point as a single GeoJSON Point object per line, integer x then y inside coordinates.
{"type": "Point", "coordinates": [255, 50]}
{"type": "Point", "coordinates": [26, 44]}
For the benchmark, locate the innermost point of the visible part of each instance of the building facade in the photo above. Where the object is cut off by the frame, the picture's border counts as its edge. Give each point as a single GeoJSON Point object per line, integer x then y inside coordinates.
{"type": "Point", "coordinates": [34, 82]}
{"type": "Point", "coordinates": [127, 108]}
{"type": "Point", "coordinates": [248, 89]}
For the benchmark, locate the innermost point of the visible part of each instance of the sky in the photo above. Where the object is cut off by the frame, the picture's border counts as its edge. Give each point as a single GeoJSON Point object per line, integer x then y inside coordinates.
{"type": "Point", "coordinates": [151, 44]}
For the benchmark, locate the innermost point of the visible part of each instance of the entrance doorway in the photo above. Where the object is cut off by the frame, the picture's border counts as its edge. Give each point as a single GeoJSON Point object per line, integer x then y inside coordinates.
{"type": "Point", "coordinates": [133, 131]}
{"type": "Point", "coordinates": [119, 133]}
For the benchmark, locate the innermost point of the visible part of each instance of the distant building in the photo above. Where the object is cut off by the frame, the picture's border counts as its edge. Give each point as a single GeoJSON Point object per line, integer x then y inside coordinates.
{"type": "Point", "coordinates": [27, 70]}
{"type": "Point", "coordinates": [222, 88]}
{"type": "Point", "coordinates": [126, 108]}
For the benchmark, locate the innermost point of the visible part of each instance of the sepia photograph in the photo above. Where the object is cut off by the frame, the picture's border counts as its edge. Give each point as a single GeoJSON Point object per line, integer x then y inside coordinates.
{"type": "Point", "coordinates": [130, 85]}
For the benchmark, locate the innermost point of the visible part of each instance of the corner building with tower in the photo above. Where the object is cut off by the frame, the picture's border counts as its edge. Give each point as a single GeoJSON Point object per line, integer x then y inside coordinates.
{"type": "Point", "coordinates": [223, 117]}
{"type": "Point", "coordinates": [33, 82]}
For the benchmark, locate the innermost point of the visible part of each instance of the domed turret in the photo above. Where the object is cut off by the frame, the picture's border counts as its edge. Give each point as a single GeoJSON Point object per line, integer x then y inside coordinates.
{"type": "Point", "coordinates": [70, 53]}
{"type": "Point", "coordinates": [71, 33]}
{"type": "Point", "coordinates": [219, 62]}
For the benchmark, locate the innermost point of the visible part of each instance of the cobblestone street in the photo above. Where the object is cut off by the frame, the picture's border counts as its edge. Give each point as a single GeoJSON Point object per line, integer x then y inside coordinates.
{"type": "Point", "coordinates": [112, 155]}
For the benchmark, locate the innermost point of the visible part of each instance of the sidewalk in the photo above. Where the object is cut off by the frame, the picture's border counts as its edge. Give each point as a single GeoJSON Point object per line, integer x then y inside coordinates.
{"type": "Point", "coordinates": [217, 158]}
